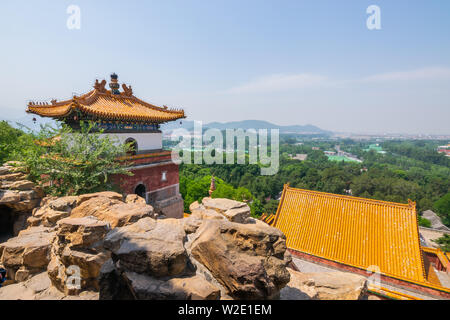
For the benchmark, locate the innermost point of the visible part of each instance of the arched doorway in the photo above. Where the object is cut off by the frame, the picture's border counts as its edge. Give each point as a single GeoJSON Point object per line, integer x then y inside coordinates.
{"type": "Point", "coordinates": [134, 146]}
{"type": "Point", "coordinates": [140, 191]}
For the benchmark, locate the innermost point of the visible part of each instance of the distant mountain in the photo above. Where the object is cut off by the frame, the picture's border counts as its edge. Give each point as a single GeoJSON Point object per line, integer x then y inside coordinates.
{"type": "Point", "coordinates": [28, 122]}
{"type": "Point", "coordinates": [247, 124]}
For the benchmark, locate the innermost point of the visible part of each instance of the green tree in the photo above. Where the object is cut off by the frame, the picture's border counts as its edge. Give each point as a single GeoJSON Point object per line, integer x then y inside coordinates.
{"type": "Point", "coordinates": [256, 208]}
{"type": "Point", "coordinates": [66, 162]}
{"type": "Point", "coordinates": [271, 207]}
{"type": "Point", "coordinates": [444, 243]}
{"type": "Point", "coordinates": [423, 222]}
{"type": "Point", "coordinates": [9, 138]}
{"type": "Point", "coordinates": [442, 208]}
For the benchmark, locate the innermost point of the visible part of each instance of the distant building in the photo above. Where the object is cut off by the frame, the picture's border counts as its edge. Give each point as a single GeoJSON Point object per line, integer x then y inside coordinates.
{"type": "Point", "coordinates": [444, 149]}
{"type": "Point", "coordinates": [355, 235]}
{"type": "Point", "coordinates": [299, 156]}
{"type": "Point", "coordinates": [375, 147]}
{"type": "Point", "coordinates": [315, 148]}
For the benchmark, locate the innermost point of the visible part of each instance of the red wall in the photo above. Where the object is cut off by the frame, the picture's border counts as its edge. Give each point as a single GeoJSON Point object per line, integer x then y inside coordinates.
{"type": "Point", "coordinates": [150, 177]}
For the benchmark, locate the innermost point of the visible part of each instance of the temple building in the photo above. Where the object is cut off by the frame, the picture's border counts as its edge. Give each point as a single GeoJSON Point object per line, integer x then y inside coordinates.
{"type": "Point", "coordinates": [336, 232]}
{"type": "Point", "coordinates": [130, 120]}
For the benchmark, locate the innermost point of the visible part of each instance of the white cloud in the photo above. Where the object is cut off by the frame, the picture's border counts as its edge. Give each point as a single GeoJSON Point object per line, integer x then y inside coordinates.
{"type": "Point", "coordinates": [280, 82]}
{"type": "Point", "coordinates": [288, 82]}
{"type": "Point", "coordinates": [418, 74]}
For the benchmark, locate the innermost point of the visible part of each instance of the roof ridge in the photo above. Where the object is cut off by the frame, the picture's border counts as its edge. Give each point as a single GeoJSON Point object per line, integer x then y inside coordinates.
{"type": "Point", "coordinates": [353, 198]}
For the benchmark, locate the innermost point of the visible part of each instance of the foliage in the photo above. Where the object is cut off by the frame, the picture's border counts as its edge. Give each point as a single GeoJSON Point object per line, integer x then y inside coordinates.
{"type": "Point", "coordinates": [444, 243]}
{"type": "Point", "coordinates": [196, 188]}
{"type": "Point", "coordinates": [423, 222]}
{"type": "Point", "coordinates": [442, 208]}
{"type": "Point", "coordinates": [401, 174]}
{"type": "Point", "coordinates": [9, 138]}
{"type": "Point", "coordinates": [65, 162]}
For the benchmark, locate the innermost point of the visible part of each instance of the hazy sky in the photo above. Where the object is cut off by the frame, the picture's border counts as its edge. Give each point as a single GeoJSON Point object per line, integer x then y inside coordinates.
{"type": "Point", "coordinates": [288, 62]}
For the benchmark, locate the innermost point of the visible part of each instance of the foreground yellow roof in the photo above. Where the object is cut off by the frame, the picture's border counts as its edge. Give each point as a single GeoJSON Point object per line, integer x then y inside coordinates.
{"type": "Point", "coordinates": [354, 231]}
{"type": "Point", "coordinates": [105, 105]}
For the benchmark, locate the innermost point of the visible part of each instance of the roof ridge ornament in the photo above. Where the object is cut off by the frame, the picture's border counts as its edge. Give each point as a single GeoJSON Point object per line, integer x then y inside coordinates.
{"type": "Point", "coordinates": [127, 90]}
{"type": "Point", "coordinates": [100, 86]}
{"type": "Point", "coordinates": [114, 84]}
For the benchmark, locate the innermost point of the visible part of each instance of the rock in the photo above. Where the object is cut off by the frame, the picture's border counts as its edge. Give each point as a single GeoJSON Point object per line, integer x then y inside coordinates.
{"type": "Point", "coordinates": [111, 209]}
{"type": "Point", "coordinates": [325, 286]}
{"type": "Point", "coordinates": [18, 197]}
{"type": "Point", "coordinates": [20, 222]}
{"type": "Point", "coordinates": [202, 213]}
{"type": "Point", "coordinates": [63, 203]}
{"type": "Point", "coordinates": [194, 205]}
{"type": "Point", "coordinates": [22, 185]}
{"type": "Point", "coordinates": [4, 170]}
{"type": "Point", "coordinates": [52, 210]}
{"type": "Point", "coordinates": [153, 247]}
{"type": "Point", "coordinates": [189, 288]}
{"type": "Point", "coordinates": [134, 198]}
{"type": "Point", "coordinates": [149, 261]}
{"type": "Point", "coordinates": [105, 194]}
{"type": "Point", "coordinates": [26, 290]}
{"type": "Point", "coordinates": [239, 215]}
{"type": "Point", "coordinates": [131, 285]}
{"type": "Point", "coordinates": [191, 224]}
{"type": "Point", "coordinates": [13, 176]}
{"type": "Point", "coordinates": [26, 254]}
{"type": "Point", "coordinates": [249, 260]}
{"type": "Point", "coordinates": [28, 195]}
{"type": "Point", "coordinates": [221, 205]}
{"type": "Point", "coordinates": [107, 206]}
{"type": "Point", "coordinates": [9, 197]}
{"type": "Point", "coordinates": [39, 288]}
{"type": "Point", "coordinates": [77, 254]}
{"type": "Point", "coordinates": [436, 222]}
{"type": "Point", "coordinates": [234, 211]}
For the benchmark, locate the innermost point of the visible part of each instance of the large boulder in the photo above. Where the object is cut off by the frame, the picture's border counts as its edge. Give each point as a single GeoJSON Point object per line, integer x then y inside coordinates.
{"type": "Point", "coordinates": [325, 286]}
{"type": "Point", "coordinates": [77, 254]}
{"type": "Point", "coordinates": [149, 261]}
{"type": "Point", "coordinates": [27, 254]}
{"type": "Point", "coordinates": [153, 247]}
{"type": "Point", "coordinates": [107, 206]}
{"type": "Point", "coordinates": [127, 285]}
{"type": "Point", "coordinates": [249, 260]}
{"type": "Point", "coordinates": [234, 211]}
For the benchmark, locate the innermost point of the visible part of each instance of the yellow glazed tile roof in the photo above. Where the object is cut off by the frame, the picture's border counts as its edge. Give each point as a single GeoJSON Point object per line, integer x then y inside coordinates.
{"type": "Point", "coordinates": [354, 231]}
{"type": "Point", "coordinates": [105, 105]}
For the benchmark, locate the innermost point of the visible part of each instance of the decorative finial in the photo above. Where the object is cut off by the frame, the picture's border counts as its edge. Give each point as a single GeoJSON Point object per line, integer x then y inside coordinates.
{"type": "Point", "coordinates": [100, 86]}
{"type": "Point", "coordinates": [127, 91]}
{"type": "Point", "coordinates": [212, 186]}
{"type": "Point", "coordinates": [114, 84]}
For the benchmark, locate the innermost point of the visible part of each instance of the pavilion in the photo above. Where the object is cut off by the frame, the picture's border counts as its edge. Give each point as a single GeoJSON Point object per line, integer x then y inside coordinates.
{"type": "Point", "coordinates": [130, 120]}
